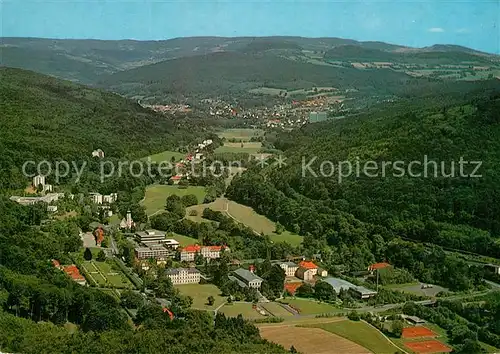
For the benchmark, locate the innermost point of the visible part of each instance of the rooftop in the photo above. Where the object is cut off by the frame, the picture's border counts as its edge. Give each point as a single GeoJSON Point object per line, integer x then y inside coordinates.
{"type": "Point", "coordinates": [308, 265]}
{"type": "Point", "coordinates": [175, 271]}
{"type": "Point", "coordinates": [379, 266]}
{"type": "Point", "coordinates": [246, 275]}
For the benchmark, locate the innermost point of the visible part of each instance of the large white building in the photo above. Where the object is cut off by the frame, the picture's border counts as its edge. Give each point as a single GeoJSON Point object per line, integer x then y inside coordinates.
{"type": "Point", "coordinates": [38, 180]}
{"type": "Point", "coordinates": [184, 275]}
{"type": "Point", "coordinates": [209, 252]}
{"type": "Point", "coordinates": [289, 267]}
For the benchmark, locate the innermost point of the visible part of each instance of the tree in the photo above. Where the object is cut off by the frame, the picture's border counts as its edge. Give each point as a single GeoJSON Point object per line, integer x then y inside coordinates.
{"type": "Point", "coordinates": [210, 300]}
{"type": "Point", "coordinates": [397, 328]}
{"type": "Point", "coordinates": [87, 254]}
{"type": "Point", "coordinates": [279, 228]}
{"type": "Point", "coordinates": [101, 256]}
{"type": "Point", "coordinates": [189, 200]}
{"type": "Point", "coordinates": [131, 299]}
{"type": "Point", "coordinates": [324, 291]}
{"type": "Point", "coordinates": [305, 290]}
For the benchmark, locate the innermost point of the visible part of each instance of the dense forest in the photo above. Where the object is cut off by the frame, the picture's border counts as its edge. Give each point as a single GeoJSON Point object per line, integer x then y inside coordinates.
{"type": "Point", "coordinates": [361, 219]}
{"type": "Point", "coordinates": [44, 118]}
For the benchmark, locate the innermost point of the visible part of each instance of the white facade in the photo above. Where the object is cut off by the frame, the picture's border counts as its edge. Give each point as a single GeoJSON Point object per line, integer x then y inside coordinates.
{"type": "Point", "coordinates": [184, 275]}
{"type": "Point", "coordinates": [289, 267]}
{"type": "Point", "coordinates": [38, 180]}
{"type": "Point", "coordinates": [96, 198]}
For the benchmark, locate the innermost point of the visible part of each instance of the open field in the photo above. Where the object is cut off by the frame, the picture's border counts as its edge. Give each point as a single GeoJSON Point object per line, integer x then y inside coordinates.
{"type": "Point", "coordinates": [310, 340]}
{"type": "Point", "coordinates": [247, 216]}
{"type": "Point", "coordinates": [166, 156]}
{"type": "Point", "coordinates": [309, 307]}
{"type": "Point", "coordinates": [243, 134]}
{"type": "Point", "coordinates": [183, 240]}
{"type": "Point", "coordinates": [362, 334]}
{"type": "Point", "coordinates": [157, 194]}
{"type": "Point", "coordinates": [243, 308]}
{"type": "Point", "coordinates": [276, 309]}
{"type": "Point", "coordinates": [248, 147]}
{"type": "Point", "coordinates": [200, 293]}
{"type": "Point", "coordinates": [428, 347]}
{"type": "Point", "coordinates": [416, 288]}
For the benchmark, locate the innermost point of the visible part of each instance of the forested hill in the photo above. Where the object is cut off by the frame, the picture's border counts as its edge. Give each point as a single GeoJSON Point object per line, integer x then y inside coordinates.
{"type": "Point", "coordinates": [362, 215]}
{"type": "Point", "coordinates": [47, 118]}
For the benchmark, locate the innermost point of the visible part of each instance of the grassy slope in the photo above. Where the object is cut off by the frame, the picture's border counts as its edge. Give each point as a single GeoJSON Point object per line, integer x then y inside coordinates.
{"type": "Point", "coordinates": [362, 334]}
{"type": "Point", "coordinates": [157, 194]}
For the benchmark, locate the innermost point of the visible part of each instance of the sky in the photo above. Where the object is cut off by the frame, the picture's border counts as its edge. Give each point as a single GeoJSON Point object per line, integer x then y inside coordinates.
{"type": "Point", "coordinates": [417, 23]}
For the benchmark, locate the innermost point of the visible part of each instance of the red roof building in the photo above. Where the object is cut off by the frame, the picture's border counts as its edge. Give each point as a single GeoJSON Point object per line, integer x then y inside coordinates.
{"type": "Point", "coordinates": [74, 273]}
{"type": "Point", "coordinates": [308, 265]}
{"type": "Point", "coordinates": [292, 287]}
{"type": "Point", "coordinates": [377, 266]}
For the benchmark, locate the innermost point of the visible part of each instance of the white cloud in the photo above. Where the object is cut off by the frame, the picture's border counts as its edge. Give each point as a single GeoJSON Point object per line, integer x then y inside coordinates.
{"type": "Point", "coordinates": [436, 30]}
{"type": "Point", "coordinates": [462, 30]}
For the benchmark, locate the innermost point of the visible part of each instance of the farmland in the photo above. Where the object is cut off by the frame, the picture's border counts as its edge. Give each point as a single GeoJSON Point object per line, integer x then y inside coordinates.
{"type": "Point", "coordinates": [240, 134]}
{"type": "Point", "coordinates": [310, 340]}
{"type": "Point", "coordinates": [248, 147]}
{"type": "Point", "coordinates": [200, 293]}
{"type": "Point", "coordinates": [156, 195]}
{"type": "Point", "coordinates": [362, 334]}
{"type": "Point", "coordinates": [166, 156]}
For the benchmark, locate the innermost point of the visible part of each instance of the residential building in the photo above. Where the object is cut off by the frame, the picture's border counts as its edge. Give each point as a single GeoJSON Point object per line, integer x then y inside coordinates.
{"type": "Point", "coordinates": [52, 208]}
{"type": "Point", "coordinates": [362, 292]}
{"type": "Point", "coordinates": [48, 198]}
{"type": "Point", "coordinates": [176, 179]}
{"type": "Point", "coordinates": [209, 252]}
{"type": "Point", "coordinates": [111, 198]}
{"type": "Point", "coordinates": [309, 265]}
{"type": "Point", "coordinates": [74, 273]}
{"type": "Point", "coordinates": [38, 180]}
{"type": "Point", "coordinates": [150, 237]}
{"type": "Point", "coordinates": [156, 252]}
{"type": "Point", "coordinates": [290, 268]}
{"type": "Point", "coordinates": [98, 153]}
{"type": "Point", "coordinates": [322, 272]}
{"type": "Point", "coordinates": [96, 198]}
{"type": "Point", "coordinates": [184, 275]}
{"type": "Point", "coordinates": [305, 274]}
{"type": "Point", "coordinates": [250, 279]}
{"type": "Point", "coordinates": [378, 266]}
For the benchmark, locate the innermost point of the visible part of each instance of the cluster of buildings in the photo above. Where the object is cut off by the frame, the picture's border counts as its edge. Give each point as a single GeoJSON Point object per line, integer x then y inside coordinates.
{"type": "Point", "coordinates": [188, 253]}
{"type": "Point", "coordinates": [98, 198]}
{"type": "Point", "coordinates": [154, 245]}
{"type": "Point", "coordinates": [305, 270]}
{"type": "Point", "coordinates": [49, 198]}
{"type": "Point", "coordinates": [72, 271]}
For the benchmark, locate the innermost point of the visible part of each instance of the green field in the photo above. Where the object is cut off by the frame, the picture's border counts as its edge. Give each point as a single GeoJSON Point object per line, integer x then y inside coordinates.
{"type": "Point", "coordinates": [246, 216]}
{"type": "Point", "coordinates": [243, 134]}
{"type": "Point", "coordinates": [166, 156]}
{"type": "Point", "coordinates": [157, 194]}
{"type": "Point", "coordinates": [360, 333]}
{"type": "Point", "coordinates": [200, 293]}
{"type": "Point", "coordinates": [310, 307]}
{"type": "Point", "coordinates": [243, 308]}
{"type": "Point", "coordinates": [105, 274]}
{"type": "Point", "coordinates": [248, 147]}
{"type": "Point", "coordinates": [183, 240]}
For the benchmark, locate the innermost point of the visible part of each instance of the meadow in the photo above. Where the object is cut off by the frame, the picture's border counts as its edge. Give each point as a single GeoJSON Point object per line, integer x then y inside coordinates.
{"type": "Point", "coordinates": [248, 147]}
{"type": "Point", "coordinates": [166, 156]}
{"type": "Point", "coordinates": [310, 307]}
{"type": "Point", "coordinates": [157, 194]}
{"type": "Point", "coordinates": [200, 293]}
{"type": "Point", "coordinates": [241, 134]}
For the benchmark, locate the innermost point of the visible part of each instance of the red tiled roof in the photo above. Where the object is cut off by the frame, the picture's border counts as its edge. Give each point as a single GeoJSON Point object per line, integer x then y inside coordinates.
{"type": "Point", "coordinates": [308, 265]}
{"type": "Point", "coordinates": [176, 177]}
{"type": "Point", "coordinates": [379, 266]}
{"type": "Point", "coordinates": [73, 272]}
{"type": "Point", "coordinates": [191, 248]}
{"type": "Point", "coordinates": [214, 248]}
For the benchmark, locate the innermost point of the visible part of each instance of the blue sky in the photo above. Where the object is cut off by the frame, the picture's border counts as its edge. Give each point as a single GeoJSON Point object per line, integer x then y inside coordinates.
{"type": "Point", "coordinates": [472, 23]}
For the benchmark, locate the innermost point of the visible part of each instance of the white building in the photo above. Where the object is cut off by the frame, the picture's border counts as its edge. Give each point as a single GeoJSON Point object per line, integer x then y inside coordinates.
{"type": "Point", "coordinates": [127, 222]}
{"type": "Point", "coordinates": [96, 198]}
{"type": "Point", "coordinates": [38, 180]}
{"type": "Point", "coordinates": [289, 267]}
{"type": "Point", "coordinates": [111, 198]}
{"type": "Point", "coordinates": [98, 153]}
{"type": "Point", "coordinates": [209, 252]}
{"type": "Point", "coordinates": [184, 275]}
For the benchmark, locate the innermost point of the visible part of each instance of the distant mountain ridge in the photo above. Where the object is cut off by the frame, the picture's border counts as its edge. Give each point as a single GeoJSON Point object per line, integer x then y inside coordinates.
{"type": "Point", "coordinates": [86, 60]}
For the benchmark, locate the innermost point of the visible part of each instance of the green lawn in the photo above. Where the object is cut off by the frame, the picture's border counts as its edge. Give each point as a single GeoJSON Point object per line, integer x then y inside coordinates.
{"type": "Point", "coordinates": [200, 293]}
{"type": "Point", "coordinates": [243, 308]}
{"type": "Point", "coordinates": [106, 275]}
{"type": "Point", "coordinates": [157, 194]}
{"type": "Point", "coordinates": [360, 333]}
{"type": "Point", "coordinates": [166, 156]}
{"type": "Point", "coordinates": [309, 307]}
{"type": "Point", "coordinates": [248, 147]}
{"type": "Point", "coordinates": [287, 236]}
{"type": "Point", "coordinates": [243, 134]}
{"type": "Point", "coordinates": [183, 240]}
